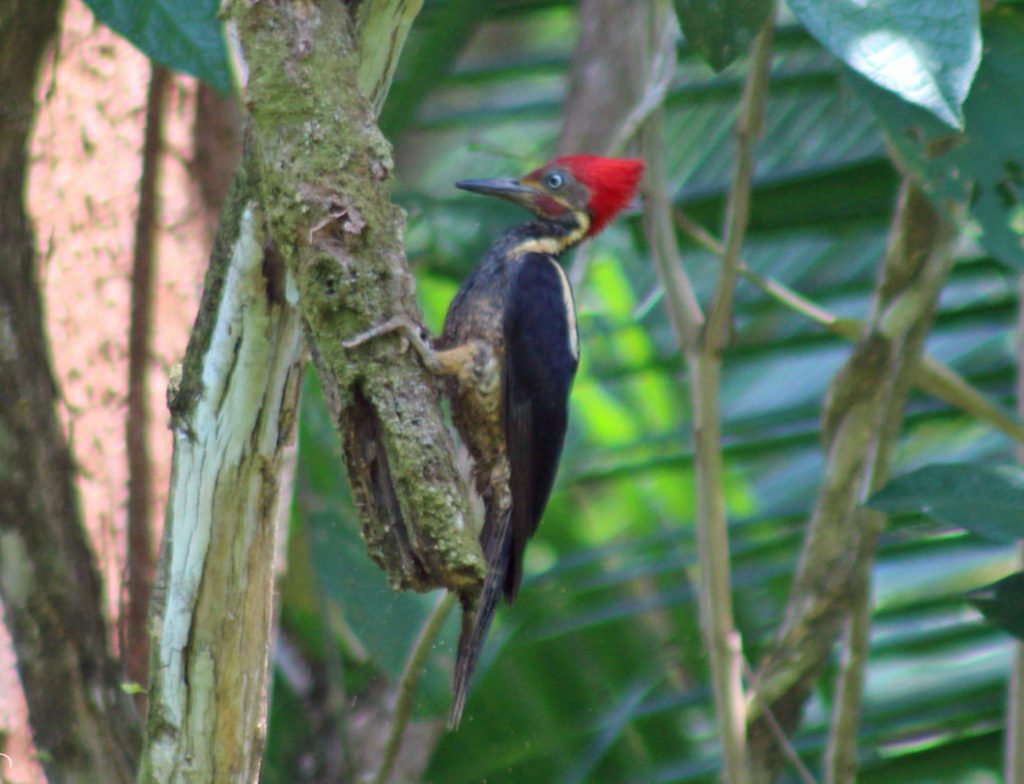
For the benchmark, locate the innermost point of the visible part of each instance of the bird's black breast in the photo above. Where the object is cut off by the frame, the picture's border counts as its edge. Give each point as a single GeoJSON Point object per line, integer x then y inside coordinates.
{"type": "Point", "coordinates": [540, 360]}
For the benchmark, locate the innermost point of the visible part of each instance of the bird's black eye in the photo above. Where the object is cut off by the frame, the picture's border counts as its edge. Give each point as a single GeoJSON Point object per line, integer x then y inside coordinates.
{"type": "Point", "coordinates": [554, 181]}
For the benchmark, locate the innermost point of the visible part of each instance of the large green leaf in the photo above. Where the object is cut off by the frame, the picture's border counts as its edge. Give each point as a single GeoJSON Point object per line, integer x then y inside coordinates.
{"type": "Point", "coordinates": [925, 51]}
{"type": "Point", "coordinates": [184, 35]}
{"type": "Point", "coordinates": [988, 501]}
{"type": "Point", "coordinates": [986, 158]}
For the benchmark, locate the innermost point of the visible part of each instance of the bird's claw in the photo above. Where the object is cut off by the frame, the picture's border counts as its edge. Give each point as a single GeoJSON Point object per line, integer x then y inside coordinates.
{"type": "Point", "coordinates": [393, 324]}
{"type": "Point", "coordinates": [413, 333]}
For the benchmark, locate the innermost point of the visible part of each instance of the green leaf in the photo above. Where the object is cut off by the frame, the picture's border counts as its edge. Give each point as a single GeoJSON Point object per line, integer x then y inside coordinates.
{"type": "Point", "coordinates": [987, 156]}
{"type": "Point", "coordinates": [988, 501]}
{"type": "Point", "coordinates": [184, 35]}
{"type": "Point", "coordinates": [1002, 603]}
{"type": "Point", "coordinates": [925, 52]}
{"type": "Point", "coordinates": [721, 30]}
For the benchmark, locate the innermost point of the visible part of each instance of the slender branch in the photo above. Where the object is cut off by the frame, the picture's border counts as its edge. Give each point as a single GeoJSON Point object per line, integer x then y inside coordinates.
{"type": "Point", "coordinates": [929, 375]}
{"type": "Point", "coordinates": [684, 311]}
{"type": "Point", "coordinates": [782, 294]}
{"type": "Point", "coordinates": [802, 771]}
{"type": "Point", "coordinates": [662, 69]}
{"type": "Point", "coordinates": [140, 556]}
{"type": "Point", "coordinates": [84, 726]}
{"type": "Point", "coordinates": [748, 131]}
{"type": "Point", "coordinates": [687, 320]}
{"type": "Point", "coordinates": [841, 752]}
{"type": "Point", "coordinates": [409, 680]}
{"type": "Point", "coordinates": [681, 303]}
{"type": "Point", "coordinates": [721, 638]}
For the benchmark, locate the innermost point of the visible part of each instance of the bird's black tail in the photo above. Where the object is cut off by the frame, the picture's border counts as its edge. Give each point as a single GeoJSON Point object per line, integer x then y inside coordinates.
{"type": "Point", "coordinates": [476, 622]}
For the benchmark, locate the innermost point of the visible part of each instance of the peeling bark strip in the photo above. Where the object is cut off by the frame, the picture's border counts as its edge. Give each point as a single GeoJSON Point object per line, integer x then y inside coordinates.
{"type": "Point", "coordinates": [235, 410]}
{"type": "Point", "coordinates": [324, 169]}
{"type": "Point", "coordinates": [84, 725]}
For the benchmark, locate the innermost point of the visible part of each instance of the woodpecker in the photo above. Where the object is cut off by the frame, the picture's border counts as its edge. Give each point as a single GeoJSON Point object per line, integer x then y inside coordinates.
{"type": "Point", "coordinates": [509, 351]}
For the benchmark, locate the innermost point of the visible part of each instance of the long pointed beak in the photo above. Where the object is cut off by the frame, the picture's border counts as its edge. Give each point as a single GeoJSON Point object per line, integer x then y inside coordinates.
{"type": "Point", "coordinates": [502, 187]}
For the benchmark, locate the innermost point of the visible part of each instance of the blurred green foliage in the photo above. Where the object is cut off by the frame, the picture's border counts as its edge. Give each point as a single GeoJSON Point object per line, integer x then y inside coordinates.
{"type": "Point", "coordinates": [597, 673]}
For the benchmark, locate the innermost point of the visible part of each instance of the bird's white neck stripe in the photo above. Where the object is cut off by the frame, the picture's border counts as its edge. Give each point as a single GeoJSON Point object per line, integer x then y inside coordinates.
{"type": "Point", "coordinates": [570, 310]}
{"type": "Point", "coordinates": [556, 244]}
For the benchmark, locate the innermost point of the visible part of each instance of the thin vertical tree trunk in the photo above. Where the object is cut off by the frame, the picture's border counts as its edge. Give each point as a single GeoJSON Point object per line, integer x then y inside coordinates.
{"type": "Point", "coordinates": [140, 557]}
{"type": "Point", "coordinates": [84, 724]}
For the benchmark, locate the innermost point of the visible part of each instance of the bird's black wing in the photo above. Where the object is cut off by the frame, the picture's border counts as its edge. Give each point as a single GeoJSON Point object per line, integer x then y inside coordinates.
{"type": "Point", "coordinates": [541, 355]}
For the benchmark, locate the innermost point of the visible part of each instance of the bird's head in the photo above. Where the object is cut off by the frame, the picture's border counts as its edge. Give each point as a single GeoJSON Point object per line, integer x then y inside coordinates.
{"type": "Point", "coordinates": [587, 187]}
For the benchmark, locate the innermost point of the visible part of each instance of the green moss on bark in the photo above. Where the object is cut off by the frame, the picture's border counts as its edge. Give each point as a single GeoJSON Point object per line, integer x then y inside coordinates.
{"type": "Point", "coordinates": [324, 171]}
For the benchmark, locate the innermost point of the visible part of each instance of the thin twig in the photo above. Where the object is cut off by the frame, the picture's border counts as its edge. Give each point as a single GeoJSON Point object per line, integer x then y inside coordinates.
{"type": "Point", "coordinates": [409, 680]}
{"type": "Point", "coordinates": [929, 375]}
{"type": "Point", "coordinates": [772, 288]}
{"type": "Point", "coordinates": [748, 131]}
{"type": "Point", "coordinates": [722, 640]}
{"type": "Point", "coordinates": [841, 752]}
{"type": "Point", "coordinates": [780, 737]}
{"type": "Point", "coordinates": [681, 303]}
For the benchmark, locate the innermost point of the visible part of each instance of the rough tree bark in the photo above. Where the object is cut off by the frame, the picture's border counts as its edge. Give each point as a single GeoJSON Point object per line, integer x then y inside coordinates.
{"type": "Point", "coordinates": [212, 604]}
{"type": "Point", "coordinates": [324, 169]}
{"type": "Point", "coordinates": [85, 729]}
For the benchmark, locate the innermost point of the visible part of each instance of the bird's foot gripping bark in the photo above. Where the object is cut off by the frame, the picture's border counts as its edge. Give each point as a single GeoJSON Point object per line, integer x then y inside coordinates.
{"type": "Point", "coordinates": [414, 333]}
{"type": "Point", "coordinates": [467, 361]}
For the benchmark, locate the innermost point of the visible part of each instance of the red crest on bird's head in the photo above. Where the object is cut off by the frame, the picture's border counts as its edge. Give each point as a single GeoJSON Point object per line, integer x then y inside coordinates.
{"type": "Point", "coordinates": [612, 182]}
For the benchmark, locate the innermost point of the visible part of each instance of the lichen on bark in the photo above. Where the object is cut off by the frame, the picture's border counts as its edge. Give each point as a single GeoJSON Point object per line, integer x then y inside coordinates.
{"type": "Point", "coordinates": [324, 171]}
